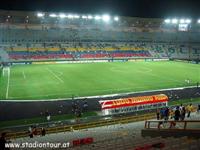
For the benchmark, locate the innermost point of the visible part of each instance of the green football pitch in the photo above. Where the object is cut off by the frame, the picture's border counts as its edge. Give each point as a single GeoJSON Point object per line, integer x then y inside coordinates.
{"type": "Point", "coordinates": [58, 81]}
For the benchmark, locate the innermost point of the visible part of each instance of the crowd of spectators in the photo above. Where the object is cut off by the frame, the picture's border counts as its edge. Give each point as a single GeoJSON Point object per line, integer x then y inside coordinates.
{"type": "Point", "coordinates": [79, 107]}
{"type": "Point", "coordinates": [177, 113]}
{"type": "Point", "coordinates": [34, 131]}
{"type": "Point", "coordinates": [173, 114]}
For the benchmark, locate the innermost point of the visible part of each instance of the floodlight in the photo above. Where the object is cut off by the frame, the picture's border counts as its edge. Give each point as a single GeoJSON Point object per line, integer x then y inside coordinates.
{"type": "Point", "coordinates": [167, 20]}
{"type": "Point", "coordinates": [198, 21]}
{"type": "Point", "coordinates": [182, 21]}
{"type": "Point", "coordinates": [106, 18]}
{"type": "Point", "coordinates": [174, 21]}
{"type": "Point", "coordinates": [52, 15]}
{"type": "Point", "coordinates": [84, 17]}
{"type": "Point", "coordinates": [89, 17]}
{"type": "Point", "coordinates": [116, 18]}
{"type": "Point", "coordinates": [70, 16]}
{"type": "Point", "coordinates": [62, 15]}
{"type": "Point", "coordinates": [188, 21]}
{"type": "Point", "coordinates": [40, 14]}
{"type": "Point", "coordinates": [97, 17]}
{"type": "Point", "coordinates": [76, 16]}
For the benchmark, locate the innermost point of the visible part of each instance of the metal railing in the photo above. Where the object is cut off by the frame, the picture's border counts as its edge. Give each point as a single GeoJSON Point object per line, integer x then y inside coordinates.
{"type": "Point", "coordinates": [173, 125]}
{"type": "Point", "coordinates": [68, 128]}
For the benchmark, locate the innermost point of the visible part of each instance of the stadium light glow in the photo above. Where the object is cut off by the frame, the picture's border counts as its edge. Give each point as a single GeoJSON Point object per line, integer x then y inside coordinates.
{"type": "Point", "coordinates": [174, 21]}
{"type": "Point", "coordinates": [116, 18]}
{"type": "Point", "coordinates": [40, 14]}
{"type": "Point", "coordinates": [198, 21]}
{"type": "Point", "coordinates": [188, 20]}
{"type": "Point", "coordinates": [89, 17]}
{"type": "Point", "coordinates": [62, 15]}
{"type": "Point", "coordinates": [106, 18]}
{"type": "Point", "coordinates": [182, 21]}
{"type": "Point", "coordinates": [70, 16]}
{"type": "Point", "coordinates": [167, 20]}
{"type": "Point", "coordinates": [97, 17]}
{"type": "Point", "coordinates": [84, 17]}
{"type": "Point", "coordinates": [76, 16]}
{"type": "Point", "coordinates": [52, 15]}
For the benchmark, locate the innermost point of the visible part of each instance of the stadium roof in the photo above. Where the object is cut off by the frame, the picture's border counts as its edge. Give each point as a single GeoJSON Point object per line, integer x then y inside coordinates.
{"type": "Point", "coordinates": [134, 8]}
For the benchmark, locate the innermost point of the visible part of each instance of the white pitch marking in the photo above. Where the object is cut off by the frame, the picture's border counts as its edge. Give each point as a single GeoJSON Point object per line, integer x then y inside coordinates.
{"type": "Point", "coordinates": [8, 83]}
{"type": "Point", "coordinates": [3, 72]}
{"type": "Point", "coordinates": [98, 96]}
{"type": "Point", "coordinates": [55, 75]}
{"type": "Point", "coordinates": [24, 75]}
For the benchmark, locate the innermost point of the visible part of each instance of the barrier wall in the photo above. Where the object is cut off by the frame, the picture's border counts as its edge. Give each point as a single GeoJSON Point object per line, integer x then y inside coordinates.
{"type": "Point", "coordinates": [85, 61]}
{"type": "Point", "coordinates": [99, 123]}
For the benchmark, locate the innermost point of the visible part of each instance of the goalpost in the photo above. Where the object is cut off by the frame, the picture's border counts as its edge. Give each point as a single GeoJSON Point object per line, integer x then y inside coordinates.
{"type": "Point", "coordinates": [6, 71]}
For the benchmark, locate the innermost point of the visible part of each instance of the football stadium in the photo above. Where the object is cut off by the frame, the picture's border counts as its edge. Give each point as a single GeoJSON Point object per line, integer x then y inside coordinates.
{"type": "Point", "coordinates": [98, 81]}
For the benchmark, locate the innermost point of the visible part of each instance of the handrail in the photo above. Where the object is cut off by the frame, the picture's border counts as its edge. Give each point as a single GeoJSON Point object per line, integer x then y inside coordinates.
{"type": "Point", "coordinates": [173, 125]}
{"type": "Point", "coordinates": [67, 128]}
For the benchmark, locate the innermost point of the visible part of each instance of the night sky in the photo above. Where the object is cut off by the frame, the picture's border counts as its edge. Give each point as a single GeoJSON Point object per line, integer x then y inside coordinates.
{"type": "Point", "coordinates": [135, 8]}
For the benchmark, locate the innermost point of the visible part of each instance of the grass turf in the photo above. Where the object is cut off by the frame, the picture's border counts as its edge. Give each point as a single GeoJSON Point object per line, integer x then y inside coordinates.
{"type": "Point", "coordinates": [56, 81]}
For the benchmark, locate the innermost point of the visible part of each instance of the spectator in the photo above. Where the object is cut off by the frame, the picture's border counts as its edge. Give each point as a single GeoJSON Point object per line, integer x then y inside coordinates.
{"type": "Point", "coordinates": [3, 141]}
{"type": "Point", "coordinates": [43, 132]}
{"type": "Point", "coordinates": [189, 109]}
{"type": "Point", "coordinates": [166, 113]}
{"type": "Point", "coordinates": [47, 114]}
{"type": "Point", "coordinates": [177, 114]}
{"type": "Point", "coordinates": [171, 113]}
{"type": "Point", "coordinates": [198, 109]}
{"type": "Point", "coordinates": [85, 106]}
{"type": "Point", "coordinates": [180, 107]}
{"type": "Point", "coordinates": [162, 113]}
{"type": "Point", "coordinates": [48, 118]}
{"type": "Point", "coordinates": [30, 131]}
{"type": "Point", "coordinates": [158, 114]}
{"type": "Point", "coordinates": [183, 112]}
{"type": "Point", "coordinates": [160, 125]}
{"type": "Point", "coordinates": [34, 131]}
{"type": "Point", "coordinates": [73, 107]}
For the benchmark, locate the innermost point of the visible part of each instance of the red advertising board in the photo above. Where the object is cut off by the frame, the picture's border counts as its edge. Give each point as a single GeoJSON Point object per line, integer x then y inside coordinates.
{"type": "Point", "coordinates": [133, 101]}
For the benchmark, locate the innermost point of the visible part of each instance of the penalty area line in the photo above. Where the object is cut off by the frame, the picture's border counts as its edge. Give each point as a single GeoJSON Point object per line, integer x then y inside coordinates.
{"type": "Point", "coordinates": [24, 75]}
{"type": "Point", "coordinates": [55, 75]}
